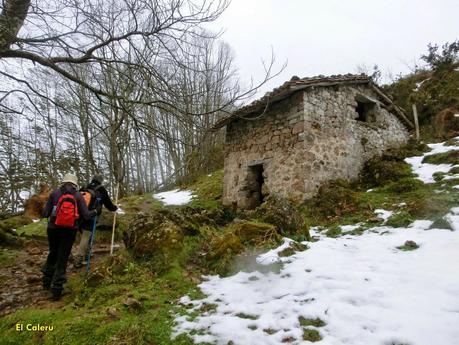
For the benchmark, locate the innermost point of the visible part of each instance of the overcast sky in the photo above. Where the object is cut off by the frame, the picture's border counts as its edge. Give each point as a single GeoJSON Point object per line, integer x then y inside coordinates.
{"type": "Point", "coordinates": [334, 36]}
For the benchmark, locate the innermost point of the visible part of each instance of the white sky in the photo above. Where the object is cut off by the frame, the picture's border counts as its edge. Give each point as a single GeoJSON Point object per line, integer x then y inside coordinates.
{"type": "Point", "coordinates": [334, 36]}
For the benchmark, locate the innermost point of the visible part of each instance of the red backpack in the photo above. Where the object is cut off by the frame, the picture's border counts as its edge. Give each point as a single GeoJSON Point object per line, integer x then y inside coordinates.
{"type": "Point", "coordinates": [66, 211]}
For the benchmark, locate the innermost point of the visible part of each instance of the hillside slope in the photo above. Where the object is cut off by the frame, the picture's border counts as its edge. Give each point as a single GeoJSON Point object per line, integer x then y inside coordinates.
{"type": "Point", "coordinates": [196, 271]}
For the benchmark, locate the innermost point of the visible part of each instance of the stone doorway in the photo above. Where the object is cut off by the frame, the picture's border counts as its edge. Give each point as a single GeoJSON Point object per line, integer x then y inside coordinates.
{"type": "Point", "coordinates": [253, 189]}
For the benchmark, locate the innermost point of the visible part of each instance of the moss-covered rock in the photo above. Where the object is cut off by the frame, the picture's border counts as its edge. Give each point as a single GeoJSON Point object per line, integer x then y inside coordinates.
{"type": "Point", "coordinates": [8, 227]}
{"type": "Point", "coordinates": [280, 212]}
{"type": "Point", "coordinates": [408, 246]}
{"type": "Point", "coordinates": [240, 237]}
{"type": "Point", "coordinates": [334, 199]}
{"type": "Point", "coordinates": [379, 171]}
{"type": "Point", "coordinates": [400, 219]}
{"type": "Point", "coordinates": [157, 236]}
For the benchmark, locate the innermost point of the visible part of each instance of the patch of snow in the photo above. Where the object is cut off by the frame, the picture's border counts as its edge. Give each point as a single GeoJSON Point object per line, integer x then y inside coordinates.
{"type": "Point", "coordinates": [451, 177]}
{"type": "Point", "coordinates": [35, 220]}
{"type": "Point", "coordinates": [402, 204]}
{"type": "Point", "coordinates": [185, 300]}
{"type": "Point", "coordinates": [419, 84]}
{"type": "Point", "coordinates": [383, 214]}
{"type": "Point", "coordinates": [315, 230]}
{"type": "Point", "coordinates": [365, 290]}
{"type": "Point", "coordinates": [456, 186]}
{"type": "Point", "coordinates": [456, 115]}
{"type": "Point", "coordinates": [370, 190]}
{"type": "Point", "coordinates": [120, 211]}
{"type": "Point", "coordinates": [25, 194]}
{"type": "Point", "coordinates": [175, 197]}
{"type": "Point", "coordinates": [421, 224]}
{"type": "Point", "coordinates": [453, 218]}
{"type": "Point", "coordinates": [272, 256]}
{"type": "Point", "coordinates": [347, 228]}
{"type": "Point", "coordinates": [425, 171]}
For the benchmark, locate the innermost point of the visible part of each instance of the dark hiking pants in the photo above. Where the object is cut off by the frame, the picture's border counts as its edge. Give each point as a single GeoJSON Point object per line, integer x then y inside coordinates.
{"type": "Point", "coordinates": [60, 242]}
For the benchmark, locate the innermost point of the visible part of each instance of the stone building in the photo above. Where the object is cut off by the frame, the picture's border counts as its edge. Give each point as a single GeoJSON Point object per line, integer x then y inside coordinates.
{"type": "Point", "coordinates": [304, 133]}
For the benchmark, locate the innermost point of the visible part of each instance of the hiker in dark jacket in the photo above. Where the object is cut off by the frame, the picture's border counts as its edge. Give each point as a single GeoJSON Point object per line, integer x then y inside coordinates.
{"type": "Point", "coordinates": [61, 238]}
{"type": "Point", "coordinates": [101, 197]}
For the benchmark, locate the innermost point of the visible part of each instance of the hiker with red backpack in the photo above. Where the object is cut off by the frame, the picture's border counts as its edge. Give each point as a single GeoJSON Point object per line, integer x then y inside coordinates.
{"type": "Point", "coordinates": [96, 196]}
{"type": "Point", "coordinates": [63, 210]}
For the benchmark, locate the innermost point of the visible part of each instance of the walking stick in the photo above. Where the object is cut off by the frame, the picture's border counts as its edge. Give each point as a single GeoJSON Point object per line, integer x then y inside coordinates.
{"type": "Point", "coordinates": [114, 220]}
{"type": "Point", "coordinates": [91, 241]}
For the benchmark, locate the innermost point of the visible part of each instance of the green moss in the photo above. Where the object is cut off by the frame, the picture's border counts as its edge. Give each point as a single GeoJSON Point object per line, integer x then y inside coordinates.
{"type": "Point", "coordinates": [235, 247]}
{"type": "Point", "coordinates": [292, 249]}
{"type": "Point", "coordinates": [439, 175]}
{"type": "Point", "coordinates": [208, 190]}
{"type": "Point", "coordinates": [406, 184]}
{"type": "Point", "coordinates": [439, 222]}
{"type": "Point", "coordinates": [8, 256]}
{"type": "Point", "coordinates": [379, 171]}
{"type": "Point", "coordinates": [450, 157]}
{"type": "Point", "coordinates": [334, 231]}
{"type": "Point", "coordinates": [15, 222]}
{"type": "Point", "coordinates": [334, 200]}
{"type": "Point", "coordinates": [311, 335]}
{"type": "Point", "coordinates": [400, 219]}
{"type": "Point", "coordinates": [247, 316]}
{"type": "Point", "coordinates": [317, 322]}
{"type": "Point", "coordinates": [270, 331]}
{"type": "Point", "coordinates": [86, 306]}
{"type": "Point", "coordinates": [284, 215]}
{"type": "Point", "coordinates": [34, 228]}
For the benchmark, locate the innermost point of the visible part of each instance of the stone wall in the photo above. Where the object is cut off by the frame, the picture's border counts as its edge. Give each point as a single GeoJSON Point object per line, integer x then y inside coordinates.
{"type": "Point", "coordinates": [305, 140]}
{"type": "Point", "coordinates": [337, 144]}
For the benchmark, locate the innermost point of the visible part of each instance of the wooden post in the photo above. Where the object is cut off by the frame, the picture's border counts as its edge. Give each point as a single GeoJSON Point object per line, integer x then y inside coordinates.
{"type": "Point", "coordinates": [114, 220]}
{"type": "Point", "coordinates": [416, 122]}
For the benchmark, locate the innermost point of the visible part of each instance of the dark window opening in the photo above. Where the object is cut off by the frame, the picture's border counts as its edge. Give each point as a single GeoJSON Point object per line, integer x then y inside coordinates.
{"type": "Point", "coordinates": [365, 111]}
{"type": "Point", "coordinates": [255, 181]}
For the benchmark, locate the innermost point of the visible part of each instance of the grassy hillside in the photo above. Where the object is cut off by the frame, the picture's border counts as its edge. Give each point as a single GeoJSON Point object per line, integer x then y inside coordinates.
{"type": "Point", "coordinates": [132, 297]}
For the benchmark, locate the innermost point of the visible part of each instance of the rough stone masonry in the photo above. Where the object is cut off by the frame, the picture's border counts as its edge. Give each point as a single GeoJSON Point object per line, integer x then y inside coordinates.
{"type": "Point", "coordinates": [304, 133]}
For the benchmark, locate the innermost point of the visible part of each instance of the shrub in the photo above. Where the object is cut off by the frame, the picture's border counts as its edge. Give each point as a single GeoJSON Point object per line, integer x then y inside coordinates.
{"type": "Point", "coordinates": [406, 184]}
{"type": "Point", "coordinates": [335, 199]}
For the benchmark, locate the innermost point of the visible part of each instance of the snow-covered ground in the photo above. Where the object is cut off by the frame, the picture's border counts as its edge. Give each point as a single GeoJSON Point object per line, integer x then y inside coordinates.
{"type": "Point", "coordinates": [175, 197]}
{"type": "Point", "coordinates": [366, 289]}
{"type": "Point", "coordinates": [425, 171]}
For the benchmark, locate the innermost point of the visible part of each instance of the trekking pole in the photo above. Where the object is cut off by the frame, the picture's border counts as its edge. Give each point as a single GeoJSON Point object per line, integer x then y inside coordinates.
{"type": "Point", "coordinates": [114, 220]}
{"type": "Point", "coordinates": [91, 241]}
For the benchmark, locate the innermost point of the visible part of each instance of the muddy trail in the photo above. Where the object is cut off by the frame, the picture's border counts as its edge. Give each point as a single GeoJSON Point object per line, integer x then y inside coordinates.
{"type": "Point", "coordinates": [21, 280]}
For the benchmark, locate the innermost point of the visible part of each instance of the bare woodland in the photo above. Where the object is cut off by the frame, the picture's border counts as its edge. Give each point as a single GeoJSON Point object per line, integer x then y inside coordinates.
{"type": "Point", "coordinates": [128, 88]}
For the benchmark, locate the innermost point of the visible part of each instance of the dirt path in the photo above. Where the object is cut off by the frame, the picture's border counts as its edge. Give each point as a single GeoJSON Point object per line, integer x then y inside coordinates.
{"type": "Point", "coordinates": [21, 281]}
